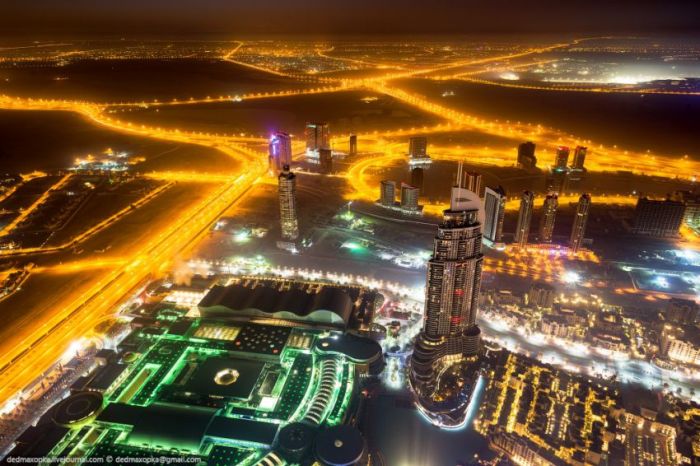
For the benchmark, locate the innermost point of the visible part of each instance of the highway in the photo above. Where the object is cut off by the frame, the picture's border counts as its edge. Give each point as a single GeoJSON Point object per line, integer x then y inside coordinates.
{"type": "Point", "coordinates": [42, 344]}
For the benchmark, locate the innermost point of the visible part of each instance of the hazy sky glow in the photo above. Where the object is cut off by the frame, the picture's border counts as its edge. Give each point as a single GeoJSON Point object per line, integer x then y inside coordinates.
{"type": "Point", "coordinates": [347, 16]}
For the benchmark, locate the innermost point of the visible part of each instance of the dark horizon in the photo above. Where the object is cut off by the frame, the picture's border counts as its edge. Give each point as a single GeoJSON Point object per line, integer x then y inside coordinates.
{"type": "Point", "coordinates": [319, 18]}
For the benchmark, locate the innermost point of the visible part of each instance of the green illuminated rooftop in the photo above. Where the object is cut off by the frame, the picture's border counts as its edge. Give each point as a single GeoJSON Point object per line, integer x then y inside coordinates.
{"type": "Point", "coordinates": [219, 392]}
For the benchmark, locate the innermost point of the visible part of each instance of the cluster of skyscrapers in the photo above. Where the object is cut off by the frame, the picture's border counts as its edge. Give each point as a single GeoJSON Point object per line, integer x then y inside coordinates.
{"type": "Point", "coordinates": [548, 218]}
{"type": "Point", "coordinates": [408, 197]}
{"type": "Point", "coordinates": [418, 151]}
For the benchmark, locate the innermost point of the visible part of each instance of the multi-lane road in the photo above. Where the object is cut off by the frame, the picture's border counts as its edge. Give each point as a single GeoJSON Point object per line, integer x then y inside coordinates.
{"type": "Point", "coordinates": [43, 341]}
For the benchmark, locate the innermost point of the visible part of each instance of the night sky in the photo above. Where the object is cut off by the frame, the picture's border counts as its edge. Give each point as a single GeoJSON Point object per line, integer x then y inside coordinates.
{"type": "Point", "coordinates": [323, 17]}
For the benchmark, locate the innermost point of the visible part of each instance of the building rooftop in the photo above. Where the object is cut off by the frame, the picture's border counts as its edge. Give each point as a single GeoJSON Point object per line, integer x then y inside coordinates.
{"type": "Point", "coordinates": [330, 305]}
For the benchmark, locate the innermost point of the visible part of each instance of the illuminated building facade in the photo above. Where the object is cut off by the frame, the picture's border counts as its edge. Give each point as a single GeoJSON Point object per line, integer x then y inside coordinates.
{"type": "Point", "coordinates": [549, 214]}
{"type": "Point", "coordinates": [409, 197]}
{"type": "Point", "coordinates": [317, 138]}
{"type": "Point", "coordinates": [494, 212]}
{"type": "Point", "coordinates": [579, 158]}
{"type": "Point", "coordinates": [449, 330]}
{"type": "Point", "coordinates": [561, 159]}
{"type": "Point", "coordinates": [577, 170]}
{"type": "Point", "coordinates": [579, 229]}
{"type": "Point", "coordinates": [287, 191]}
{"type": "Point", "coordinates": [522, 231]}
{"type": "Point", "coordinates": [387, 194]}
{"type": "Point", "coordinates": [660, 219]}
{"type": "Point", "coordinates": [526, 156]}
{"type": "Point", "coordinates": [692, 206]}
{"type": "Point", "coordinates": [418, 151]}
{"type": "Point", "coordinates": [353, 145]}
{"type": "Point", "coordinates": [280, 150]}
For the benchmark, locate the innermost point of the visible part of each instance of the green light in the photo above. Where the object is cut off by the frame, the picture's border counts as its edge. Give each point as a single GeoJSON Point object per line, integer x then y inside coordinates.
{"type": "Point", "coordinates": [353, 246]}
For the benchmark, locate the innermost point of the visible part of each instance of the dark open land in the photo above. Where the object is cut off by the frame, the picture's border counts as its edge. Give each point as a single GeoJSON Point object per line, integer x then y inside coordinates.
{"type": "Point", "coordinates": [344, 111]}
{"type": "Point", "coordinates": [138, 79]}
{"type": "Point", "coordinates": [45, 141]}
{"type": "Point", "coordinates": [665, 124]}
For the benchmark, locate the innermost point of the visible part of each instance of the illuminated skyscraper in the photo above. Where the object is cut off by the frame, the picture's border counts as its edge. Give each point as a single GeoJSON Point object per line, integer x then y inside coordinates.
{"type": "Point", "coordinates": [418, 151]}
{"type": "Point", "coordinates": [579, 157]}
{"type": "Point", "coordinates": [526, 156]}
{"type": "Point", "coordinates": [579, 229]}
{"type": "Point", "coordinates": [353, 145]}
{"type": "Point", "coordinates": [280, 150]}
{"type": "Point", "coordinates": [522, 231]}
{"type": "Point", "coordinates": [556, 180]}
{"type": "Point", "coordinates": [387, 194]}
{"type": "Point", "coordinates": [409, 198]}
{"type": "Point", "coordinates": [549, 214]}
{"type": "Point", "coordinates": [449, 330]}
{"type": "Point", "coordinates": [562, 158]}
{"type": "Point", "coordinates": [317, 138]}
{"type": "Point", "coordinates": [418, 147]}
{"type": "Point", "coordinates": [287, 191]}
{"type": "Point", "coordinates": [494, 212]}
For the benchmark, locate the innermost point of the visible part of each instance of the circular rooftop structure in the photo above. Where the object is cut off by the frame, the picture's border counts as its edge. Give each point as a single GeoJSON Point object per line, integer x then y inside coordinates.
{"type": "Point", "coordinates": [359, 349]}
{"type": "Point", "coordinates": [77, 408]}
{"type": "Point", "coordinates": [340, 445]}
{"type": "Point", "coordinates": [226, 377]}
{"type": "Point", "coordinates": [295, 439]}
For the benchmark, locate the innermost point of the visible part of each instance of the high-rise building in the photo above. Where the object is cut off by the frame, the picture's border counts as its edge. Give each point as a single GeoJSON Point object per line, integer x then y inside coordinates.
{"type": "Point", "coordinates": [494, 212]}
{"type": "Point", "coordinates": [562, 158]}
{"type": "Point", "coordinates": [280, 150]}
{"type": "Point", "coordinates": [579, 158]}
{"type": "Point", "coordinates": [387, 194]}
{"type": "Point", "coordinates": [578, 231]}
{"type": "Point", "coordinates": [353, 145]}
{"type": "Point", "coordinates": [417, 174]}
{"type": "Point", "coordinates": [418, 150]}
{"type": "Point", "coordinates": [449, 329]}
{"type": "Point", "coordinates": [526, 156]}
{"type": "Point", "coordinates": [522, 231]}
{"type": "Point", "coordinates": [691, 200]}
{"type": "Point", "coordinates": [556, 182]}
{"type": "Point", "coordinates": [317, 138]}
{"type": "Point", "coordinates": [287, 192]}
{"type": "Point", "coordinates": [541, 295]}
{"type": "Point", "coordinates": [325, 157]}
{"type": "Point", "coordinates": [418, 146]}
{"type": "Point", "coordinates": [549, 214]}
{"type": "Point", "coordinates": [409, 198]}
{"type": "Point", "coordinates": [473, 182]}
{"type": "Point", "coordinates": [661, 219]}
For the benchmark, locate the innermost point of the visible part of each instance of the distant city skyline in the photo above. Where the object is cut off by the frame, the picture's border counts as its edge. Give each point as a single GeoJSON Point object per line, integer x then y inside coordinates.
{"type": "Point", "coordinates": [359, 17]}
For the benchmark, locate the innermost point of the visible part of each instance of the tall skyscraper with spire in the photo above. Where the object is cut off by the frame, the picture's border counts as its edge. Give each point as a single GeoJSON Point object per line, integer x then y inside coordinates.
{"type": "Point", "coordinates": [522, 231]}
{"type": "Point", "coordinates": [450, 332]}
{"type": "Point", "coordinates": [287, 191]}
